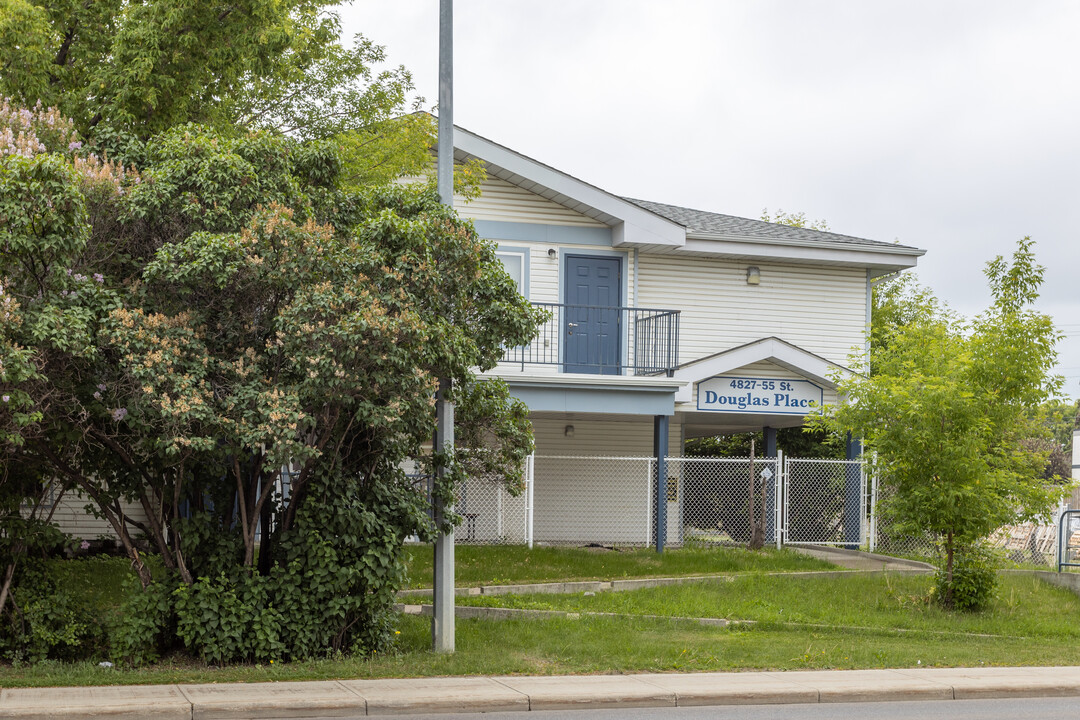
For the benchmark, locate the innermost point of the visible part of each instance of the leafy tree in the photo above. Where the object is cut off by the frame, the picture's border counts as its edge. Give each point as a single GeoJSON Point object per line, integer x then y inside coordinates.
{"type": "Point", "coordinates": [1056, 419]}
{"type": "Point", "coordinates": [148, 66]}
{"type": "Point", "coordinates": [233, 339]}
{"type": "Point", "coordinates": [898, 300]}
{"type": "Point", "coordinates": [948, 406]}
{"type": "Point", "coordinates": [217, 306]}
{"type": "Point", "coordinates": [793, 219]}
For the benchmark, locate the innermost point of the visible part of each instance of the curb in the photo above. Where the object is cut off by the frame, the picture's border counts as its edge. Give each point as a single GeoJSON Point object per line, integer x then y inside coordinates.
{"type": "Point", "coordinates": [583, 586]}
{"type": "Point", "coordinates": [496, 613]}
{"type": "Point", "coordinates": [477, 612]}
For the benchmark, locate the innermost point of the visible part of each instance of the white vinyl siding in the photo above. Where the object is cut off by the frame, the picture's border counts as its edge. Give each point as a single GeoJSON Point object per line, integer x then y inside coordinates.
{"type": "Point", "coordinates": [501, 201]}
{"type": "Point", "coordinates": [72, 519]}
{"type": "Point", "coordinates": [819, 309]}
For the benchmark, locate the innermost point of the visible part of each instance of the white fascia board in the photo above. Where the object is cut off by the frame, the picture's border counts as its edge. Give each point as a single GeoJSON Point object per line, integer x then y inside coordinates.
{"type": "Point", "coordinates": [637, 224]}
{"type": "Point", "coordinates": [897, 258]}
{"type": "Point", "coordinates": [801, 362]}
{"type": "Point", "coordinates": [628, 382]}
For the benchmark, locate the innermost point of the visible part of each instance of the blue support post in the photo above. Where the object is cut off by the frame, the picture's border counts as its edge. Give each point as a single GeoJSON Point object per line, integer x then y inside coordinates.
{"type": "Point", "coordinates": [770, 486]}
{"type": "Point", "coordinates": [852, 495]}
{"type": "Point", "coordinates": [660, 445]}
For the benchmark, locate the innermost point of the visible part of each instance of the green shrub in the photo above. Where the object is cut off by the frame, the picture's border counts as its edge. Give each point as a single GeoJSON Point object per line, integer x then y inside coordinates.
{"type": "Point", "coordinates": [47, 623]}
{"type": "Point", "coordinates": [330, 588]}
{"type": "Point", "coordinates": [974, 578]}
{"type": "Point", "coordinates": [147, 624]}
{"type": "Point", "coordinates": [42, 619]}
{"type": "Point", "coordinates": [223, 619]}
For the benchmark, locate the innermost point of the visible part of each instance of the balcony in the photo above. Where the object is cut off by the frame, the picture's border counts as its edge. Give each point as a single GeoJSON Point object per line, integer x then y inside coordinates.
{"type": "Point", "coordinates": [603, 340]}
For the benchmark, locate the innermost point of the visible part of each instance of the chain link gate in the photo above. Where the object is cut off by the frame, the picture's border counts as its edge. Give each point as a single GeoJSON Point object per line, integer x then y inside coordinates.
{"type": "Point", "coordinates": [826, 502]}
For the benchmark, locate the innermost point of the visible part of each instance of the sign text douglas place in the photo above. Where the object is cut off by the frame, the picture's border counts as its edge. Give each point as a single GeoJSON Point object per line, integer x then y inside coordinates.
{"type": "Point", "coordinates": [734, 394]}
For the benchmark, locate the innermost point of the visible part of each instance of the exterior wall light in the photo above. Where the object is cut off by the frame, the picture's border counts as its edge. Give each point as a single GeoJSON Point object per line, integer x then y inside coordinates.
{"type": "Point", "coordinates": [753, 276]}
{"type": "Point", "coordinates": [568, 431]}
{"type": "Point", "coordinates": [552, 252]}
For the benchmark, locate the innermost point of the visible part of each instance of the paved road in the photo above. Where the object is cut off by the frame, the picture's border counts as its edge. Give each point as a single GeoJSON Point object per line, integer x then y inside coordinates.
{"type": "Point", "coordinates": [1009, 709]}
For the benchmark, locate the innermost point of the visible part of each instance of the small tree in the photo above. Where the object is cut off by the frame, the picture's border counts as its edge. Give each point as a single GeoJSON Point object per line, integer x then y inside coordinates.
{"type": "Point", "coordinates": [948, 407]}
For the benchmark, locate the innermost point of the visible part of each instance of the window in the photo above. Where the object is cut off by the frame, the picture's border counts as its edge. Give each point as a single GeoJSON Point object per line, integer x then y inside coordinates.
{"type": "Point", "coordinates": [516, 263]}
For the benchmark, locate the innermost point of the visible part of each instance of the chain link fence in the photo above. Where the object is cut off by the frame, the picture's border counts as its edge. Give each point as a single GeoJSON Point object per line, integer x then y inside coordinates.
{"type": "Point", "coordinates": [490, 514]}
{"type": "Point", "coordinates": [1033, 543]}
{"type": "Point", "coordinates": [889, 536]}
{"type": "Point", "coordinates": [1027, 544]}
{"type": "Point", "coordinates": [611, 501]}
{"type": "Point", "coordinates": [713, 498]}
{"type": "Point", "coordinates": [593, 500]}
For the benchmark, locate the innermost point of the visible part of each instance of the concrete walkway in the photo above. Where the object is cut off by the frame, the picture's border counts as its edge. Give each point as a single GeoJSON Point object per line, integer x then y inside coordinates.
{"type": "Point", "coordinates": [859, 560]}
{"type": "Point", "coordinates": [360, 698]}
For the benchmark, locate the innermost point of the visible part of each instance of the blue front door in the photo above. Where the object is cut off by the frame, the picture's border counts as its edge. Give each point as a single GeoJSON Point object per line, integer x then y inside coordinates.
{"type": "Point", "coordinates": [591, 328]}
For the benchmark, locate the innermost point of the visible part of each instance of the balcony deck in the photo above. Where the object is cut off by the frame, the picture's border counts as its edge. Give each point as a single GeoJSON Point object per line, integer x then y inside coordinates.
{"type": "Point", "coordinates": [593, 339]}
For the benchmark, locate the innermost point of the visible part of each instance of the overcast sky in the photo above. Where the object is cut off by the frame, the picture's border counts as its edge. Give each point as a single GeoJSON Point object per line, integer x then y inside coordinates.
{"type": "Point", "coordinates": [951, 126]}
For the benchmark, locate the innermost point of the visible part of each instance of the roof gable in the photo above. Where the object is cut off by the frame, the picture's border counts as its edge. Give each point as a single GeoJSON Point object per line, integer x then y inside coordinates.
{"type": "Point", "coordinates": [657, 227]}
{"type": "Point", "coordinates": [630, 223]}
{"type": "Point", "coordinates": [773, 349]}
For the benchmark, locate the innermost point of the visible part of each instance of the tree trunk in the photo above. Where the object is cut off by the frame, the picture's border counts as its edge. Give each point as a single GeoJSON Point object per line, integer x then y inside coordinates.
{"type": "Point", "coordinates": [265, 540]}
{"type": "Point", "coordinates": [155, 522]}
{"type": "Point", "coordinates": [116, 519]}
{"type": "Point", "coordinates": [9, 573]}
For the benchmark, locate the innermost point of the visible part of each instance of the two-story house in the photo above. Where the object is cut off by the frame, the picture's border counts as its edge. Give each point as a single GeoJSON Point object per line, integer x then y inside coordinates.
{"type": "Point", "coordinates": [667, 323]}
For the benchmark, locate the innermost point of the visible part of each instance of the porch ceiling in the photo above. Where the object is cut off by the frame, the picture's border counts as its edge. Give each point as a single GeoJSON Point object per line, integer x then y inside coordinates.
{"type": "Point", "coordinates": [707, 424]}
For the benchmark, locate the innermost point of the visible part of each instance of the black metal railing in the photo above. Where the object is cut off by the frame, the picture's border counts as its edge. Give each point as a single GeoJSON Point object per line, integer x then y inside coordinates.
{"type": "Point", "coordinates": [603, 340]}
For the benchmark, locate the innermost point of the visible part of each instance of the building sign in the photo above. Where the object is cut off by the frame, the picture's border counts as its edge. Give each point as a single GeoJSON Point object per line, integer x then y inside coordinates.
{"type": "Point", "coordinates": [734, 394]}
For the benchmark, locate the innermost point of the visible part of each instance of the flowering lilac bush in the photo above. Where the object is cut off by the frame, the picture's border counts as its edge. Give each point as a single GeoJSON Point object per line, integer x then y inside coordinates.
{"type": "Point", "coordinates": [192, 328]}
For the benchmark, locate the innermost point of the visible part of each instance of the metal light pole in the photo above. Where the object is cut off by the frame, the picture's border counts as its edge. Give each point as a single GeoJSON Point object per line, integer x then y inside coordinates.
{"type": "Point", "coordinates": [442, 619]}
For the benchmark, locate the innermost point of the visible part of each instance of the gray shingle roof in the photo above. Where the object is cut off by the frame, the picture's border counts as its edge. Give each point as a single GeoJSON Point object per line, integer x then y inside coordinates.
{"type": "Point", "coordinates": [710, 222]}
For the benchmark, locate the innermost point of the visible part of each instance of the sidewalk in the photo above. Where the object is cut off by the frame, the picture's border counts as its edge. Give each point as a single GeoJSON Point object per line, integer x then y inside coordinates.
{"type": "Point", "coordinates": [360, 698]}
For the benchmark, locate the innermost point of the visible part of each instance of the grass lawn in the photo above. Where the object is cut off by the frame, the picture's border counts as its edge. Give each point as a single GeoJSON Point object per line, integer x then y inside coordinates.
{"type": "Point", "coordinates": [1024, 607]}
{"type": "Point", "coordinates": [507, 565]}
{"type": "Point", "coordinates": [852, 621]}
